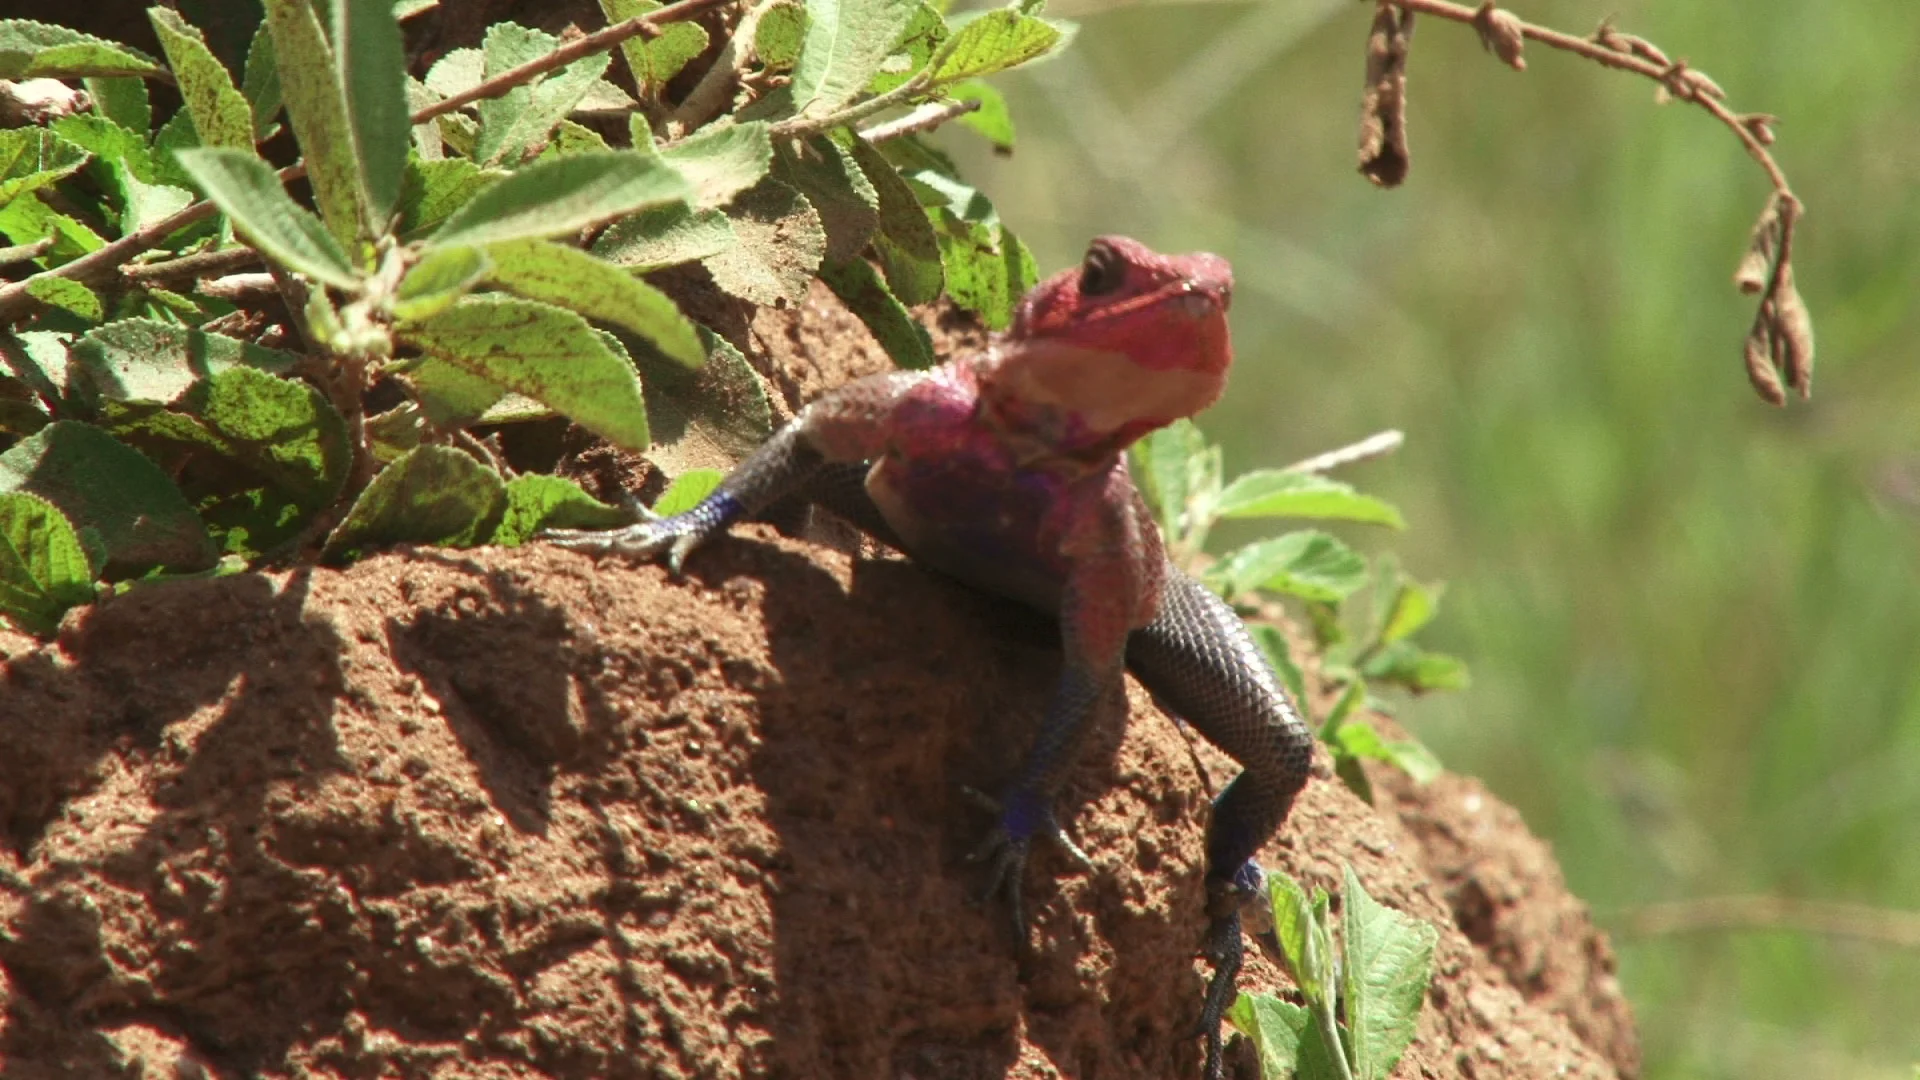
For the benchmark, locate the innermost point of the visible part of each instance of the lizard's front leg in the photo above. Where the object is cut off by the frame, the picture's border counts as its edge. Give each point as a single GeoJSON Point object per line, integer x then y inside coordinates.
{"type": "Point", "coordinates": [1198, 660]}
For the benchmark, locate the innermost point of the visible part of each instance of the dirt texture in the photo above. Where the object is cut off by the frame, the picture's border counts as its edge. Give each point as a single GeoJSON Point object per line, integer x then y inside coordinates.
{"type": "Point", "coordinates": [515, 813]}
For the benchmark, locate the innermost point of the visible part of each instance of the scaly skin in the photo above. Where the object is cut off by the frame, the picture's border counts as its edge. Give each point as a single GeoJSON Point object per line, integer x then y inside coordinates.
{"type": "Point", "coordinates": [1007, 471]}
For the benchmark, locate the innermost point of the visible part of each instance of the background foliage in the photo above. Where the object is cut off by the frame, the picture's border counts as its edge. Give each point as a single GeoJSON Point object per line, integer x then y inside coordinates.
{"type": "Point", "coordinates": [1692, 619]}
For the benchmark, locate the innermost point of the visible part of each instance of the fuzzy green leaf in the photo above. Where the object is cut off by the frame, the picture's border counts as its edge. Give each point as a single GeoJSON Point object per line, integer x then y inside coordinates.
{"type": "Point", "coordinates": [33, 158]}
{"type": "Point", "coordinates": [317, 108]}
{"type": "Point", "coordinates": [123, 100]}
{"type": "Point", "coordinates": [571, 278]}
{"type": "Point", "coordinates": [260, 83]}
{"type": "Point", "coordinates": [991, 119]}
{"type": "Point", "coordinates": [892, 325]}
{"type": "Point", "coordinates": [995, 41]}
{"type": "Point", "coordinates": [43, 568]}
{"type": "Point", "coordinates": [722, 162]}
{"type": "Point", "coordinates": [706, 419]}
{"type": "Point", "coordinates": [666, 236]}
{"type": "Point", "coordinates": [430, 191]}
{"type": "Point", "coordinates": [1389, 958]}
{"type": "Point", "coordinates": [1284, 1037]}
{"type": "Point", "coordinates": [779, 245]}
{"type": "Point", "coordinates": [925, 32]}
{"type": "Point", "coordinates": [1414, 606]}
{"type": "Point", "coordinates": [1274, 644]}
{"type": "Point", "coordinates": [451, 397]}
{"type": "Point", "coordinates": [34, 50]}
{"type": "Point", "coordinates": [433, 495]}
{"type": "Point", "coordinates": [1163, 460]}
{"type": "Point", "coordinates": [1406, 664]}
{"type": "Point", "coordinates": [549, 354]}
{"type": "Point", "coordinates": [246, 190]}
{"type": "Point", "coordinates": [1307, 564]}
{"type": "Point", "coordinates": [66, 294]}
{"type": "Point", "coordinates": [847, 41]}
{"type": "Point", "coordinates": [687, 491]}
{"type": "Point", "coordinates": [908, 249]}
{"type": "Point", "coordinates": [779, 34]}
{"type": "Point", "coordinates": [149, 360]}
{"type": "Point", "coordinates": [1272, 493]}
{"type": "Point", "coordinates": [654, 63]}
{"type": "Point", "coordinates": [1303, 945]}
{"type": "Point", "coordinates": [442, 276]}
{"type": "Point", "coordinates": [823, 171]}
{"type": "Point", "coordinates": [519, 122]}
{"type": "Point", "coordinates": [221, 115]}
{"type": "Point", "coordinates": [536, 502]}
{"type": "Point", "coordinates": [373, 75]}
{"type": "Point", "coordinates": [104, 486]}
{"type": "Point", "coordinates": [281, 429]}
{"type": "Point", "coordinates": [563, 195]}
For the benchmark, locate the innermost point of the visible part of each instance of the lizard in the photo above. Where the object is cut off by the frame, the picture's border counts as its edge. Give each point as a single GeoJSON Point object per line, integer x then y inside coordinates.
{"type": "Point", "coordinates": [1006, 469]}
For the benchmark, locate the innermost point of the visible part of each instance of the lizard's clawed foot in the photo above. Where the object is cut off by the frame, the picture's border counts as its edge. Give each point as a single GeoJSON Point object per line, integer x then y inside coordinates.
{"type": "Point", "coordinates": [650, 538]}
{"type": "Point", "coordinates": [1023, 816]}
{"type": "Point", "coordinates": [1244, 894]}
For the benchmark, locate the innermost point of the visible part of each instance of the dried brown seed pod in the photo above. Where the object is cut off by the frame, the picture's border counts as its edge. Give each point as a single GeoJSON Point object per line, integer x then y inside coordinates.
{"type": "Point", "coordinates": [1501, 34]}
{"type": "Point", "coordinates": [1384, 155]}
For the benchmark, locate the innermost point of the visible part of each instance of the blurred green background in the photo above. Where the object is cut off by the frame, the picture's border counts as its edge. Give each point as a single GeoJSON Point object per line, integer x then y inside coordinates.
{"type": "Point", "coordinates": [1693, 620]}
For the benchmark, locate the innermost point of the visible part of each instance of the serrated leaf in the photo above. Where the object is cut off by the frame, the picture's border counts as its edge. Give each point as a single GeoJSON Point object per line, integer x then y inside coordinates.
{"type": "Point", "coordinates": [908, 249]}
{"type": "Point", "coordinates": [1284, 1037]}
{"type": "Point", "coordinates": [106, 486]}
{"type": "Point", "coordinates": [987, 269]}
{"type": "Point", "coordinates": [66, 294]}
{"type": "Point", "coordinates": [1162, 460]}
{"type": "Point", "coordinates": [519, 122]}
{"type": "Point", "coordinates": [779, 243]}
{"type": "Point", "coordinates": [1307, 564]}
{"type": "Point", "coordinates": [778, 35]}
{"type": "Point", "coordinates": [125, 169]}
{"type": "Point", "coordinates": [991, 119]}
{"type": "Point", "coordinates": [316, 106]}
{"type": "Point", "coordinates": [1389, 959]}
{"type": "Point", "coordinates": [1301, 946]}
{"type": "Point", "coordinates": [38, 358]}
{"type": "Point", "coordinates": [547, 353]}
{"type": "Point", "coordinates": [1269, 493]}
{"type": "Point", "coordinates": [847, 42]}
{"type": "Point", "coordinates": [654, 63]}
{"type": "Point", "coordinates": [666, 236]}
{"type": "Point", "coordinates": [442, 276]}
{"type": "Point", "coordinates": [281, 429]}
{"type": "Point", "coordinates": [433, 495]}
{"type": "Point", "coordinates": [995, 41]}
{"type": "Point", "coordinates": [373, 75]}
{"type": "Point", "coordinates": [246, 190]}
{"type": "Point", "coordinates": [33, 158]}
{"type": "Point", "coordinates": [925, 32]}
{"type": "Point", "coordinates": [709, 419]}
{"type": "Point", "coordinates": [562, 195]}
{"type": "Point", "coordinates": [722, 162]}
{"type": "Point", "coordinates": [34, 50]}
{"type": "Point", "coordinates": [450, 396]}
{"type": "Point", "coordinates": [892, 325]}
{"type": "Point", "coordinates": [28, 221]}
{"type": "Point", "coordinates": [148, 360]}
{"type": "Point", "coordinates": [43, 568]}
{"type": "Point", "coordinates": [1414, 606]}
{"type": "Point", "coordinates": [824, 172]}
{"type": "Point", "coordinates": [536, 502]}
{"type": "Point", "coordinates": [221, 115]}
{"type": "Point", "coordinates": [687, 491]}
{"type": "Point", "coordinates": [573, 279]}
{"type": "Point", "coordinates": [430, 191]}
{"type": "Point", "coordinates": [260, 83]}
{"type": "Point", "coordinates": [121, 99]}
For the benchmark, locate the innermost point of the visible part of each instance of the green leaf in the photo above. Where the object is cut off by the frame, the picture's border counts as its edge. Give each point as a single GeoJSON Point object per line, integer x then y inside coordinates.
{"type": "Point", "coordinates": [1271, 493]}
{"type": "Point", "coordinates": [67, 294]}
{"type": "Point", "coordinates": [33, 50]}
{"type": "Point", "coordinates": [27, 221]}
{"type": "Point", "coordinates": [221, 115]}
{"type": "Point", "coordinates": [536, 502]}
{"type": "Point", "coordinates": [281, 429]}
{"type": "Point", "coordinates": [991, 119]}
{"type": "Point", "coordinates": [317, 108]}
{"type": "Point", "coordinates": [707, 419]}
{"type": "Point", "coordinates": [1406, 664]}
{"type": "Point", "coordinates": [722, 162]}
{"type": "Point", "coordinates": [246, 190]}
{"type": "Point", "coordinates": [1284, 1037]}
{"type": "Point", "coordinates": [260, 83]}
{"type": "Point", "coordinates": [908, 249]}
{"type": "Point", "coordinates": [373, 75]}
{"type": "Point", "coordinates": [1165, 461]}
{"type": "Point", "coordinates": [847, 42]}
{"type": "Point", "coordinates": [148, 360]}
{"type": "Point", "coordinates": [1343, 706]}
{"type": "Point", "coordinates": [995, 41]}
{"type": "Point", "coordinates": [434, 495]}
{"type": "Point", "coordinates": [1389, 958]}
{"type": "Point", "coordinates": [892, 325]}
{"type": "Point", "coordinates": [687, 491]}
{"type": "Point", "coordinates": [125, 169]}
{"type": "Point", "coordinates": [123, 100]}
{"type": "Point", "coordinates": [518, 123]}
{"type": "Point", "coordinates": [549, 354]}
{"type": "Point", "coordinates": [779, 34]}
{"type": "Point", "coordinates": [33, 158]}
{"type": "Point", "coordinates": [1274, 644]}
{"type": "Point", "coordinates": [1414, 606]}
{"type": "Point", "coordinates": [665, 236]}
{"type": "Point", "coordinates": [450, 396]}
{"type": "Point", "coordinates": [431, 191]}
{"type": "Point", "coordinates": [43, 568]}
{"type": "Point", "coordinates": [823, 171]}
{"type": "Point", "coordinates": [1307, 564]}
{"type": "Point", "coordinates": [571, 278]}
{"type": "Point", "coordinates": [654, 63]}
{"type": "Point", "coordinates": [779, 245]}
{"type": "Point", "coordinates": [1303, 945]}
{"type": "Point", "coordinates": [38, 358]}
{"type": "Point", "coordinates": [562, 195]}
{"type": "Point", "coordinates": [926, 31]}
{"type": "Point", "coordinates": [442, 276]}
{"type": "Point", "coordinates": [106, 487]}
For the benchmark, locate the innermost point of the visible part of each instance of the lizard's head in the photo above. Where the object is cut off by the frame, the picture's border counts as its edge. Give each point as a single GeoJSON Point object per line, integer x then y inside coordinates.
{"type": "Point", "coordinates": [1126, 342]}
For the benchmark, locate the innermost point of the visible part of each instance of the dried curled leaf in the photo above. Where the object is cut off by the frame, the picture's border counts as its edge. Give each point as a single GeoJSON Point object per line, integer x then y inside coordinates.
{"type": "Point", "coordinates": [1756, 266]}
{"type": "Point", "coordinates": [1759, 358]}
{"type": "Point", "coordinates": [1384, 157]}
{"type": "Point", "coordinates": [1500, 34]}
{"type": "Point", "coordinates": [1795, 332]}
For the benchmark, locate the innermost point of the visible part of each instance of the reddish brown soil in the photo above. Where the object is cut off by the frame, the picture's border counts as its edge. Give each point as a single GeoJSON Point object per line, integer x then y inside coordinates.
{"type": "Point", "coordinates": [517, 813]}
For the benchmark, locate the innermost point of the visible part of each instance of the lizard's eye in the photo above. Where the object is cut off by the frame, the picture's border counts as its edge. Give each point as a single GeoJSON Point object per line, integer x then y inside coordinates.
{"type": "Point", "coordinates": [1102, 272]}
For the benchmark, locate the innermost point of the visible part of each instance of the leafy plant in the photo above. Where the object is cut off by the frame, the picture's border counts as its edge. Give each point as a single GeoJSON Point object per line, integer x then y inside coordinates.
{"type": "Point", "coordinates": [1180, 473]}
{"type": "Point", "coordinates": [1375, 973]}
{"type": "Point", "coordinates": [473, 255]}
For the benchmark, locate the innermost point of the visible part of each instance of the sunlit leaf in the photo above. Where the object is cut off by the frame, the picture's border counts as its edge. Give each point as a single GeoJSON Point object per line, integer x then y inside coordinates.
{"type": "Point", "coordinates": [536, 502]}
{"type": "Point", "coordinates": [779, 243]}
{"type": "Point", "coordinates": [519, 122]}
{"type": "Point", "coordinates": [845, 45]}
{"type": "Point", "coordinates": [35, 50]}
{"type": "Point", "coordinates": [571, 278]}
{"type": "Point", "coordinates": [1307, 564]}
{"type": "Point", "coordinates": [687, 491]}
{"type": "Point", "coordinates": [246, 190]}
{"type": "Point", "coordinates": [1269, 493]}
{"type": "Point", "coordinates": [1389, 958]}
{"type": "Point", "coordinates": [43, 568]}
{"type": "Point", "coordinates": [221, 115]}
{"type": "Point", "coordinates": [373, 75]}
{"type": "Point", "coordinates": [105, 487]}
{"type": "Point", "coordinates": [562, 195]}
{"type": "Point", "coordinates": [892, 325]}
{"type": "Point", "coordinates": [433, 495]}
{"type": "Point", "coordinates": [316, 106]}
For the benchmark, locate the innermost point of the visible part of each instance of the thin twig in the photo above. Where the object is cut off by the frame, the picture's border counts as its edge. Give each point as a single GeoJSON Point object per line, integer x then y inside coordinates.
{"type": "Point", "coordinates": [188, 267]}
{"type": "Point", "coordinates": [800, 127]}
{"type": "Point", "coordinates": [1377, 445]}
{"type": "Point", "coordinates": [598, 41]}
{"type": "Point", "coordinates": [1883, 926]}
{"type": "Point", "coordinates": [925, 118]}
